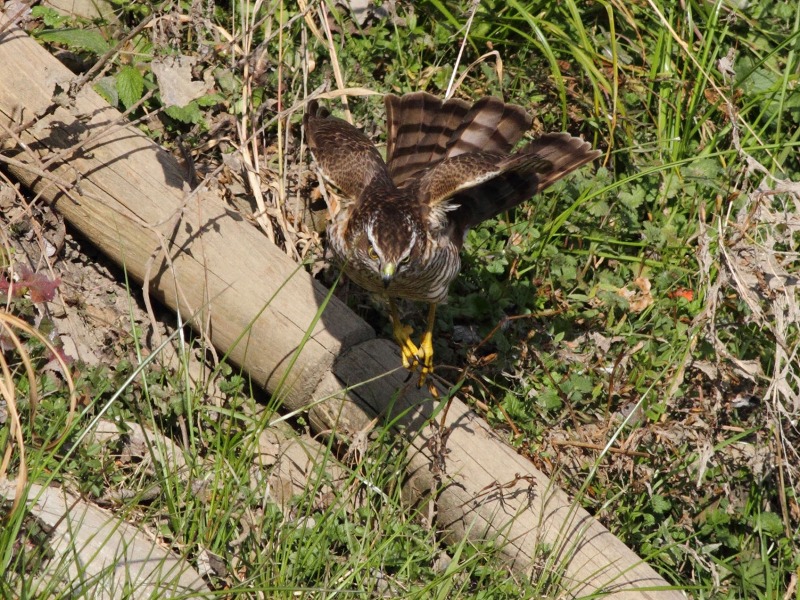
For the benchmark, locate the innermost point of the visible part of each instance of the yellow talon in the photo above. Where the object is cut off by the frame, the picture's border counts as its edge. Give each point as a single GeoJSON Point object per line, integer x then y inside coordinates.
{"type": "Point", "coordinates": [415, 357]}
{"type": "Point", "coordinates": [408, 350]}
{"type": "Point", "coordinates": [425, 356]}
{"type": "Point", "coordinates": [425, 352]}
{"type": "Point", "coordinates": [402, 335]}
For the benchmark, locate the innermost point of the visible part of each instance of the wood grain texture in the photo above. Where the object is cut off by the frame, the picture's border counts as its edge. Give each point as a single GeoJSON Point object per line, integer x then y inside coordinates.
{"type": "Point", "coordinates": [132, 202]}
{"type": "Point", "coordinates": [91, 545]}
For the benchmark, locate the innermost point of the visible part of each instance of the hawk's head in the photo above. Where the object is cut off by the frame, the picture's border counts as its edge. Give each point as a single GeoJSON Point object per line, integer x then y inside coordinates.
{"type": "Point", "coordinates": [390, 238]}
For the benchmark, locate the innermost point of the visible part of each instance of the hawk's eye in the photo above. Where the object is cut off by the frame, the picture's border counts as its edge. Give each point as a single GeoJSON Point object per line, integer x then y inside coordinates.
{"type": "Point", "coordinates": [372, 254]}
{"type": "Point", "coordinates": [406, 260]}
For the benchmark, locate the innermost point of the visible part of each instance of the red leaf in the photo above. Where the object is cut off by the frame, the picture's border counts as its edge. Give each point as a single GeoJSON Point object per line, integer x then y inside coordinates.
{"type": "Point", "coordinates": [41, 287]}
{"type": "Point", "coordinates": [687, 295]}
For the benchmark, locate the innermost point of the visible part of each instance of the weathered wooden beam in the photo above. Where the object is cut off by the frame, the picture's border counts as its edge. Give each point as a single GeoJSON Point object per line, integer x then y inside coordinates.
{"type": "Point", "coordinates": [129, 197]}
{"type": "Point", "coordinates": [117, 559]}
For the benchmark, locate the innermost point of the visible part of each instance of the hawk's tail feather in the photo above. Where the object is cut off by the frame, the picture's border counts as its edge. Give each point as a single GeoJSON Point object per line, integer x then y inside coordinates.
{"type": "Point", "coordinates": [563, 152]}
{"type": "Point", "coordinates": [423, 130]}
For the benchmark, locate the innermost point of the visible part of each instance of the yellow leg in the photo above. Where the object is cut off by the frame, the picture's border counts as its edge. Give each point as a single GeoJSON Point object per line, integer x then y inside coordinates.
{"type": "Point", "coordinates": [414, 357]}
{"type": "Point", "coordinates": [402, 334]}
{"type": "Point", "coordinates": [425, 352]}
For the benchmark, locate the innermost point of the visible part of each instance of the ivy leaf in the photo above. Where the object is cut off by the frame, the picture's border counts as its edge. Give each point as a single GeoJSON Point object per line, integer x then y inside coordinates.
{"type": "Point", "coordinates": [754, 78]}
{"type": "Point", "coordinates": [40, 287]}
{"type": "Point", "coordinates": [599, 209]}
{"type": "Point", "coordinates": [130, 85]}
{"type": "Point", "coordinates": [107, 88]}
{"type": "Point", "coordinates": [769, 523]}
{"type": "Point", "coordinates": [549, 399]}
{"type": "Point", "coordinates": [632, 199]}
{"type": "Point", "coordinates": [49, 16]}
{"type": "Point", "coordinates": [185, 114]}
{"type": "Point", "coordinates": [704, 168]}
{"type": "Point", "coordinates": [671, 185]}
{"type": "Point", "coordinates": [76, 39]}
{"type": "Point", "coordinates": [660, 504]}
{"type": "Point", "coordinates": [760, 81]}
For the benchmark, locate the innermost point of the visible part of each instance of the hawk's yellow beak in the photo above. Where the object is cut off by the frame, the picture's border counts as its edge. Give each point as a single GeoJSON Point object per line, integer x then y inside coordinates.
{"type": "Point", "coordinates": [387, 273]}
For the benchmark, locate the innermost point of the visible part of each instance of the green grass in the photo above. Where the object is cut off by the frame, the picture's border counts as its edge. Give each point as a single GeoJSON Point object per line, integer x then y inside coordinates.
{"type": "Point", "coordinates": [659, 287]}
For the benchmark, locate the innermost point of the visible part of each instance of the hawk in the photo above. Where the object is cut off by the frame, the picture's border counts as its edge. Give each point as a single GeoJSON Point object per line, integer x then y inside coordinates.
{"type": "Point", "coordinates": [449, 165]}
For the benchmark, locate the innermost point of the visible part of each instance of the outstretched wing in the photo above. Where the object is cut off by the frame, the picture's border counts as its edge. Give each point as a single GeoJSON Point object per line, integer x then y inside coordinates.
{"type": "Point", "coordinates": [346, 157]}
{"type": "Point", "coordinates": [472, 187]}
{"type": "Point", "coordinates": [423, 130]}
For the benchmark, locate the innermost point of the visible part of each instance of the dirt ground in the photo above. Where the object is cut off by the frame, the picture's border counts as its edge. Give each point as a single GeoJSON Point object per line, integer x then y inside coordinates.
{"type": "Point", "coordinates": [92, 311]}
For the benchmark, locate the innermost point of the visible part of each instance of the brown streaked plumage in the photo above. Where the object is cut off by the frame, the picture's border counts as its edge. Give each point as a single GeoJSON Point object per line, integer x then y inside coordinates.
{"type": "Point", "coordinates": [448, 167]}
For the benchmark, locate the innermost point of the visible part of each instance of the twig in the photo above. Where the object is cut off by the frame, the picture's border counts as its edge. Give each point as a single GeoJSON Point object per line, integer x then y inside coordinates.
{"type": "Point", "coordinates": [467, 27]}
{"type": "Point", "coordinates": [598, 447]}
{"type": "Point", "coordinates": [337, 69]}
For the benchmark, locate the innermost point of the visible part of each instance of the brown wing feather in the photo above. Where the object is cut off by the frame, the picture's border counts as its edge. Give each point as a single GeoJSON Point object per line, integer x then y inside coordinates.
{"type": "Point", "coordinates": [472, 187]}
{"type": "Point", "coordinates": [491, 125]}
{"type": "Point", "coordinates": [346, 157]}
{"type": "Point", "coordinates": [422, 130]}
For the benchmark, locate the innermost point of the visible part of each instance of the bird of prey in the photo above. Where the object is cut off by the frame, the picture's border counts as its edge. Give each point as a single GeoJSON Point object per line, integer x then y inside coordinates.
{"type": "Point", "coordinates": [450, 164]}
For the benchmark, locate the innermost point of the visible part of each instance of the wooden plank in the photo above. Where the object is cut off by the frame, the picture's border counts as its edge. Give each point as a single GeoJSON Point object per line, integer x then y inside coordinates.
{"type": "Point", "coordinates": [90, 547]}
{"type": "Point", "coordinates": [132, 199]}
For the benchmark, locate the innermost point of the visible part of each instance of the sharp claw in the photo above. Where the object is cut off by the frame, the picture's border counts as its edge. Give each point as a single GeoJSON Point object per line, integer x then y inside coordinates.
{"type": "Point", "coordinates": [408, 350]}
{"type": "Point", "coordinates": [425, 357]}
{"type": "Point", "coordinates": [415, 357]}
{"type": "Point", "coordinates": [409, 354]}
